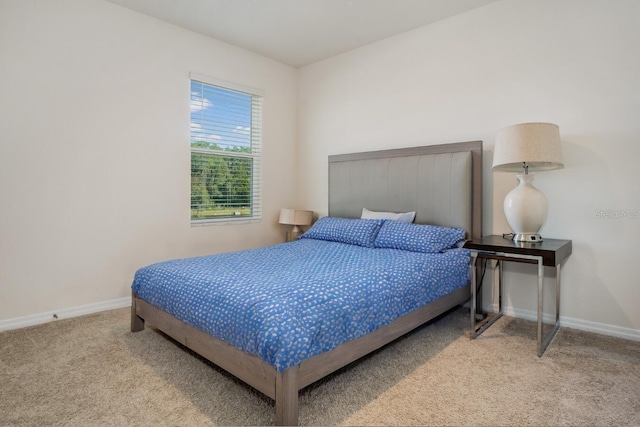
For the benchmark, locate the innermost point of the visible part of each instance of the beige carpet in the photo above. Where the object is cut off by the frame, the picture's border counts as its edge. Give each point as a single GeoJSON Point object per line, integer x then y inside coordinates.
{"type": "Point", "coordinates": [93, 371]}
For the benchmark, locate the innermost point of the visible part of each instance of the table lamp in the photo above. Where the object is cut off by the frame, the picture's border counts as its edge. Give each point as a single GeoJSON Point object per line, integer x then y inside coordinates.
{"type": "Point", "coordinates": [295, 217]}
{"type": "Point", "coordinates": [520, 148]}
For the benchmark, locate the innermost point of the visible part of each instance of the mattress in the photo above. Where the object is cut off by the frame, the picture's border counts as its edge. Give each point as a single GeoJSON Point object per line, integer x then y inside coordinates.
{"type": "Point", "coordinates": [288, 302]}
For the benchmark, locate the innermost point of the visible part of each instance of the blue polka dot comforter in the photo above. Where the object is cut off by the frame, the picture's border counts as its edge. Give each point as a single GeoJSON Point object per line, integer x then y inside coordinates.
{"type": "Point", "coordinates": [288, 302]}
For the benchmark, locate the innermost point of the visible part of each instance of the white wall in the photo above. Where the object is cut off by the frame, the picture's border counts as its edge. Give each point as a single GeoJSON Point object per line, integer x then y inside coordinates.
{"type": "Point", "coordinates": [572, 62]}
{"type": "Point", "coordinates": [94, 160]}
{"type": "Point", "coordinates": [94, 152]}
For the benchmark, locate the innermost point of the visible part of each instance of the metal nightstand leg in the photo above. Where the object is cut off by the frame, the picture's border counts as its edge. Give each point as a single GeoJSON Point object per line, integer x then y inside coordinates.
{"type": "Point", "coordinates": [543, 342]}
{"type": "Point", "coordinates": [478, 328]}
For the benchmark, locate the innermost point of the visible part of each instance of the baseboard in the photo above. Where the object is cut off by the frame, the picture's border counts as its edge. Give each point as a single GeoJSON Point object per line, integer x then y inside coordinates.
{"type": "Point", "coordinates": [568, 322]}
{"type": "Point", "coordinates": [582, 325]}
{"type": "Point", "coordinates": [66, 313]}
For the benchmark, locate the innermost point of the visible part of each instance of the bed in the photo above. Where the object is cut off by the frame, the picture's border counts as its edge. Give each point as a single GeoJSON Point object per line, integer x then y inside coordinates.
{"type": "Point", "coordinates": [440, 183]}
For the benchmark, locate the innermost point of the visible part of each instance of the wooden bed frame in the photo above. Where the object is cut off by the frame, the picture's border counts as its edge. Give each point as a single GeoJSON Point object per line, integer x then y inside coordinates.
{"type": "Point", "coordinates": [283, 387]}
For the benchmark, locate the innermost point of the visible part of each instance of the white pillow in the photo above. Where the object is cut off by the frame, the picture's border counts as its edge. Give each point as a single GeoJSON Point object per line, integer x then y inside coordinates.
{"type": "Point", "coordinates": [402, 217]}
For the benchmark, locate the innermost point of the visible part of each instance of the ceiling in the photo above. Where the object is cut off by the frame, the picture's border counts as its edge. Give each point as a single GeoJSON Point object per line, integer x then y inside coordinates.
{"type": "Point", "coordinates": [300, 32]}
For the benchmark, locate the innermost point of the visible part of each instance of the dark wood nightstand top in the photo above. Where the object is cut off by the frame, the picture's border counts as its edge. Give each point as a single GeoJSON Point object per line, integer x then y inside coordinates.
{"type": "Point", "coordinates": [552, 251]}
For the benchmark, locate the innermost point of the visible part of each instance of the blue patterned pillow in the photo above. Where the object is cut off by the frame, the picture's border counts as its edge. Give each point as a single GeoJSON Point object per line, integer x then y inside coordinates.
{"type": "Point", "coordinates": [417, 238]}
{"type": "Point", "coordinates": [361, 232]}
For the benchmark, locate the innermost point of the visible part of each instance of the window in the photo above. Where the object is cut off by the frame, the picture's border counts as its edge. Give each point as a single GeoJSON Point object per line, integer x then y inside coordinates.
{"type": "Point", "coordinates": [226, 135]}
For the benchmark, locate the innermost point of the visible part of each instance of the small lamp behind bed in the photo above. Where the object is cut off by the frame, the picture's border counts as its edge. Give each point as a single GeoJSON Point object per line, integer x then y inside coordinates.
{"type": "Point", "coordinates": [295, 217]}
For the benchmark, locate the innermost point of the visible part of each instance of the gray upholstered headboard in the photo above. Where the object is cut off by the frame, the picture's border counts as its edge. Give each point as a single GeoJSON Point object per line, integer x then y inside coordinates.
{"type": "Point", "coordinates": [441, 183]}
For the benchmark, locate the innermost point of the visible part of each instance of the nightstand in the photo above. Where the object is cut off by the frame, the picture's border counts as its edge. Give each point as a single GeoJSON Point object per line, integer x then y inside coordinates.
{"type": "Point", "coordinates": [547, 253]}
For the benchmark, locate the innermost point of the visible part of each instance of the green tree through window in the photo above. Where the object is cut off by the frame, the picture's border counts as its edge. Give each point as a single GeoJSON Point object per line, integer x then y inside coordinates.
{"type": "Point", "coordinates": [225, 153]}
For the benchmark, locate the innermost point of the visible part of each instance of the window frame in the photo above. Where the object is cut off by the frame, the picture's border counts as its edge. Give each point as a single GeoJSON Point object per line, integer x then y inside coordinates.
{"type": "Point", "coordinates": [257, 96]}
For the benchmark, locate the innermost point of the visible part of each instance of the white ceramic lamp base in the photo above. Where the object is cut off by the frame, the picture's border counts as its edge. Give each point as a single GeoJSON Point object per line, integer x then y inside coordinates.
{"type": "Point", "coordinates": [525, 208]}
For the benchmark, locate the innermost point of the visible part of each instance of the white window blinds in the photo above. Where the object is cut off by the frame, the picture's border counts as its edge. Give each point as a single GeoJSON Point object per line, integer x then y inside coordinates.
{"type": "Point", "coordinates": [226, 137]}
